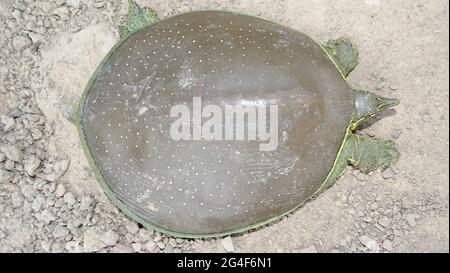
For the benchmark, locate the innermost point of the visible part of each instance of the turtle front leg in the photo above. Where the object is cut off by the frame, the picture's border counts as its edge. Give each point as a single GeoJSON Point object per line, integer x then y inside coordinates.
{"type": "Point", "coordinates": [364, 153]}
{"type": "Point", "coordinates": [368, 153]}
{"type": "Point", "coordinates": [343, 53]}
{"type": "Point", "coordinates": [137, 18]}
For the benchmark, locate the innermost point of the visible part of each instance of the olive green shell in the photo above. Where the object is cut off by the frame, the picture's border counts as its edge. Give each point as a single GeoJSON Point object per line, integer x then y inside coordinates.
{"type": "Point", "coordinates": [210, 188]}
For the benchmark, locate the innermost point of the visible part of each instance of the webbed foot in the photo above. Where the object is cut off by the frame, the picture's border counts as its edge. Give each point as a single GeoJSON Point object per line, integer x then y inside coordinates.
{"type": "Point", "coordinates": [137, 18]}
{"type": "Point", "coordinates": [343, 53]}
{"type": "Point", "coordinates": [368, 153]}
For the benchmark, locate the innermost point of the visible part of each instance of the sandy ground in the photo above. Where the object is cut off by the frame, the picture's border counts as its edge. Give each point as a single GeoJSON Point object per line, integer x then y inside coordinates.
{"type": "Point", "coordinates": [49, 201]}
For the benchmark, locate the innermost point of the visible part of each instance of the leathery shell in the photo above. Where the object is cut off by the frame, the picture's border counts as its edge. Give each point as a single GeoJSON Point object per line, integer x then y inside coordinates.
{"type": "Point", "coordinates": [207, 188]}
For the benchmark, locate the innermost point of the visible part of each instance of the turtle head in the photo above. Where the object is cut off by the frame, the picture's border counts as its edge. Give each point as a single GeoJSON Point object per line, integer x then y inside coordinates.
{"type": "Point", "coordinates": [368, 104]}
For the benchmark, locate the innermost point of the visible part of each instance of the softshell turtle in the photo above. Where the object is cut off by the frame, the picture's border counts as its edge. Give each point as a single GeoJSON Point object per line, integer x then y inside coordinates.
{"type": "Point", "coordinates": [204, 188]}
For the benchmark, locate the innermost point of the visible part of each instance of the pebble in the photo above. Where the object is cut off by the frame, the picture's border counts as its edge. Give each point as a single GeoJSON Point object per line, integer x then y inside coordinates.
{"type": "Point", "coordinates": [384, 221]}
{"type": "Point", "coordinates": [60, 231]}
{"type": "Point", "coordinates": [46, 217]}
{"type": "Point", "coordinates": [387, 245]}
{"type": "Point", "coordinates": [60, 190]}
{"type": "Point", "coordinates": [121, 248]}
{"type": "Point", "coordinates": [310, 249]}
{"type": "Point", "coordinates": [9, 165]}
{"type": "Point", "coordinates": [369, 243]}
{"type": "Point", "coordinates": [69, 198]}
{"type": "Point", "coordinates": [17, 199]}
{"type": "Point", "coordinates": [62, 12]}
{"type": "Point", "coordinates": [157, 238]}
{"type": "Point", "coordinates": [21, 42]}
{"type": "Point", "coordinates": [86, 203]}
{"type": "Point", "coordinates": [5, 176]}
{"type": "Point", "coordinates": [380, 85]}
{"type": "Point", "coordinates": [426, 117]}
{"type": "Point", "coordinates": [109, 237]}
{"type": "Point", "coordinates": [388, 173]}
{"type": "Point", "coordinates": [31, 164]}
{"type": "Point", "coordinates": [85, 173]}
{"type": "Point", "coordinates": [137, 247]}
{"type": "Point", "coordinates": [161, 245]}
{"type": "Point", "coordinates": [73, 247]}
{"type": "Point", "coordinates": [94, 239]}
{"type": "Point", "coordinates": [8, 123]}
{"type": "Point", "coordinates": [59, 169]}
{"type": "Point", "coordinates": [227, 244]}
{"type": "Point", "coordinates": [12, 152]}
{"type": "Point", "coordinates": [411, 220]}
{"type": "Point", "coordinates": [132, 227]}
{"type": "Point", "coordinates": [150, 246]}
{"type": "Point", "coordinates": [57, 247]}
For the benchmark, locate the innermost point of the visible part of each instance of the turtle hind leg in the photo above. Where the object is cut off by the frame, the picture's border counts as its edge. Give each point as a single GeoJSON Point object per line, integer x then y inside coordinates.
{"type": "Point", "coordinates": [136, 18]}
{"type": "Point", "coordinates": [368, 154]}
{"type": "Point", "coordinates": [343, 53]}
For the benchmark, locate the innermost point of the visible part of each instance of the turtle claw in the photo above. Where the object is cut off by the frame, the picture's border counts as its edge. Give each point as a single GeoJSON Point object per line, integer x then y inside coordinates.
{"type": "Point", "coordinates": [68, 111]}
{"type": "Point", "coordinates": [343, 53]}
{"type": "Point", "coordinates": [136, 18]}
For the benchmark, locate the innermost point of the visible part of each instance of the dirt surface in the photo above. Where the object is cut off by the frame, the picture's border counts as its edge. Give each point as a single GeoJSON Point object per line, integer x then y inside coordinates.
{"type": "Point", "coordinates": [49, 200]}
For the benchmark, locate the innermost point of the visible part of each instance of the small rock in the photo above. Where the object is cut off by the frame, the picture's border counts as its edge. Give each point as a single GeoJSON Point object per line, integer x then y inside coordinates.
{"type": "Point", "coordinates": [161, 245]}
{"type": "Point", "coordinates": [227, 244]}
{"type": "Point", "coordinates": [2, 157]}
{"type": "Point", "coordinates": [21, 42]}
{"type": "Point", "coordinates": [5, 176]}
{"type": "Point", "coordinates": [85, 173]}
{"type": "Point", "coordinates": [69, 198]}
{"type": "Point", "coordinates": [31, 164]}
{"type": "Point", "coordinates": [120, 248]}
{"type": "Point", "coordinates": [17, 199]}
{"type": "Point", "coordinates": [46, 245]}
{"type": "Point", "coordinates": [310, 249]}
{"type": "Point", "coordinates": [136, 247]}
{"type": "Point", "coordinates": [60, 231]}
{"type": "Point", "coordinates": [46, 217]}
{"type": "Point", "coordinates": [109, 237]}
{"type": "Point", "coordinates": [86, 203]}
{"type": "Point", "coordinates": [59, 168]}
{"type": "Point", "coordinates": [369, 243]}
{"type": "Point", "coordinates": [8, 123]}
{"type": "Point", "coordinates": [12, 152]}
{"type": "Point", "coordinates": [57, 247]}
{"type": "Point", "coordinates": [388, 173]}
{"type": "Point", "coordinates": [384, 221]}
{"type": "Point", "coordinates": [150, 246]}
{"type": "Point", "coordinates": [9, 165]}
{"type": "Point", "coordinates": [62, 12]}
{"type": "Point", "coordinates": [73, 247]}
{"type": "Point", "coordinates": [387, 245]}
{"type": "Point", "coordinates": [132, 227]}
{"type": "Point", "coordinates": [157, 238]}
{"type": "Point", "coordinates": [426, 117]}
{"type": "Point", "coordinates": [60, 190]}
{"type": "Point", "coordinates": [380, 85]}
{"type": "Point", "coordinates": [411, 219]}
{"type": "Point", "coordinates": [396, 133]}
{"type": "Point", "coordinates": [92, 241]}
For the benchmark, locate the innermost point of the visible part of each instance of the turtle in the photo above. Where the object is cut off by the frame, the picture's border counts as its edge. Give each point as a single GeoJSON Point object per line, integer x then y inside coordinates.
{"type": "Point", "coordinates": [212, 187]}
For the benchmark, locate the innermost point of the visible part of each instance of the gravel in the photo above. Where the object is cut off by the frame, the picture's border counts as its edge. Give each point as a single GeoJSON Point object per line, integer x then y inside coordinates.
{"type": "Point", "coordinates": [369, 243]}
{"type": "Point", "coordinates": [227, 244]}
{"type": "Point", "coordinates": [21, 42]}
